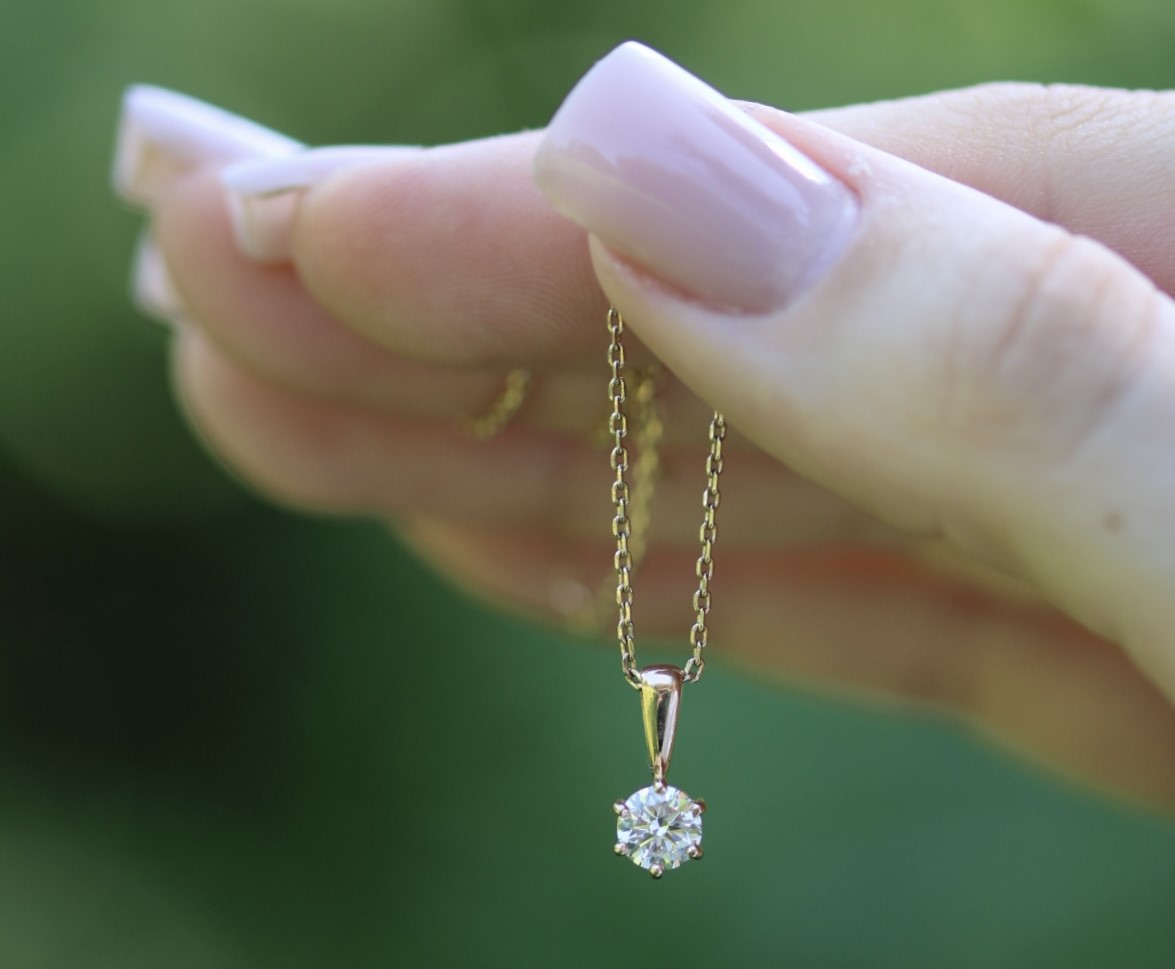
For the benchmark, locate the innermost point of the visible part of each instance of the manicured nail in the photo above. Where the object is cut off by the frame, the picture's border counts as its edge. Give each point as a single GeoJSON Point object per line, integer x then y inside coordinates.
{"type": "Point", "coordinates": [673, 177]}
{"type": "Point", "coordinates": [263, 194]}
{"type": "Point", "coordinates": [162, 135]}
{"type": "Point", "coordinates": [152, 288]}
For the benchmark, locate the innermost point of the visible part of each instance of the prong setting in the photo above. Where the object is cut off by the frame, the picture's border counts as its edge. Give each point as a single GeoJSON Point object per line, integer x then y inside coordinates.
{"type": "Point", "coordinates": [694, 851]}
{"type": "Point", "coordinates": [656, 871]}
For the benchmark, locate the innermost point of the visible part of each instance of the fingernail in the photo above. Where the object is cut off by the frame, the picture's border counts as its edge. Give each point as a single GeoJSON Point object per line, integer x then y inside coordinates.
{"type": "Point", "coordinates": [152, 288]}
{"type": "Point", "coordinates": [674, 178]}
{"type": "Point", "coordinates": [162, 135]}
{"type": "Point", "coordinates": [263, 194]}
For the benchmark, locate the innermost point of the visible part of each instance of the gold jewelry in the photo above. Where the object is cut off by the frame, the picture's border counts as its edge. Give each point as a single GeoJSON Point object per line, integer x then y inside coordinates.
{"type": "Point", "coordinates": [493, 420]}
{"type": "Point", "coordinates": [590, 615]}
{"type": "Point", "coordinates": [658, 827]}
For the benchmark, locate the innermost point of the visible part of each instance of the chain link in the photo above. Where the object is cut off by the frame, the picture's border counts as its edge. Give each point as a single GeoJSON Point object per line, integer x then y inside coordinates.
{"type": "Point", "coordinates": [645, 430]}
{"type": "Point", "coordinates": [629, 512]}
{"type": "Point", "coordinates": [646, 466]}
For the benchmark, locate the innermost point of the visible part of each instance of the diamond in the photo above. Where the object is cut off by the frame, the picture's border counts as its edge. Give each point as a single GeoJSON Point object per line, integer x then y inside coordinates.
{"type": "Point", "coordinates": [659, 828]}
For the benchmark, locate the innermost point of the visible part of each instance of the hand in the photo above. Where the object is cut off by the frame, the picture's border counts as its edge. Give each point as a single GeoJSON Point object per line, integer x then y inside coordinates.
{"type": "Point", "coordinates": [952, 474]}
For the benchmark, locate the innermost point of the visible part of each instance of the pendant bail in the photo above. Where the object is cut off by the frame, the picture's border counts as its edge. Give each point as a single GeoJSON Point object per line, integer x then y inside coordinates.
{"type": "Point", "coordinates": [660, 702]}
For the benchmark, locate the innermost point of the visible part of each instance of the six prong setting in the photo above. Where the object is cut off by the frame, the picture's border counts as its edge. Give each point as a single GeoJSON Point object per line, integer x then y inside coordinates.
{"type": "Point", "coordinates": [659, 828]}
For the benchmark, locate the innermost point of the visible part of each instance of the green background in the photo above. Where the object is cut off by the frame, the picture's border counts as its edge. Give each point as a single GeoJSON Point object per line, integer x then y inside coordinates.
{"type": "Point", "coordinates": [233, 737]}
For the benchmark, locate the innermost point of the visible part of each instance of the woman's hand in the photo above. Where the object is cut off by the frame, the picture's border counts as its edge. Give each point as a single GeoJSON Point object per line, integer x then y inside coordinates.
{"type": "Point", "coordinates": [951, 475]}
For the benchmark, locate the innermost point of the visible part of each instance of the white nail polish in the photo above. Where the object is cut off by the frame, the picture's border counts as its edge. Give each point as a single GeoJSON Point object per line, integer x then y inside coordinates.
{"type": "Point", "coordinates": [163, 134]}
{"type": "Point", "coordinates": [152, 288]}
{"type": "Point", "coordinates": [263, 194]}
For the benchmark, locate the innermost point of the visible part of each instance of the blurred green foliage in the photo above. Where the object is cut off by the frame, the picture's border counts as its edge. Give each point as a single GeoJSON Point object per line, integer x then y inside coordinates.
{"type": "Point", "coordinates": [219, 735]}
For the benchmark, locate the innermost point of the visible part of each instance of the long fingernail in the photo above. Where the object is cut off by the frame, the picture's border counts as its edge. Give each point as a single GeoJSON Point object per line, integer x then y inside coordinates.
{"type": "Point", "coordinates": [152, 288]}
{"type": "Point", "coordinates": [162, 135]}
{"type": "Point", "coordinates": [263, 194]}
{"type": "Point", "coordinates": [670, 175]}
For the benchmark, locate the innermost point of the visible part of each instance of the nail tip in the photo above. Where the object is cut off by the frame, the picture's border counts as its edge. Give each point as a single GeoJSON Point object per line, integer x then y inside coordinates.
{"type": "Point", "coordinates": [161, 133]}
{"type": "Point", "coordinates": [128, 148]}
{"type": "Point", "coordinates": [262, 226]}
{"type": "Point", "coordinates": [152, 289]}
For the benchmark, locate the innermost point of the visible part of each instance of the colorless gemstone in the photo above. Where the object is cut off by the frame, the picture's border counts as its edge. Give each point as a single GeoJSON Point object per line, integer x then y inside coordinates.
{"type": "Point", "coordinates": [658, 829]}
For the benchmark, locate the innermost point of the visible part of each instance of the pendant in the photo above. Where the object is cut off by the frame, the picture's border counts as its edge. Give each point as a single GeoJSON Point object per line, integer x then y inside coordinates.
{"type": "Point", "coordinates": [659, 827]}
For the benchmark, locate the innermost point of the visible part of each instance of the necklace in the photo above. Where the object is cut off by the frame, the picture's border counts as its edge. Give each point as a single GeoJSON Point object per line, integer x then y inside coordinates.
{"type": "Point", "coordinates": [658, 827]}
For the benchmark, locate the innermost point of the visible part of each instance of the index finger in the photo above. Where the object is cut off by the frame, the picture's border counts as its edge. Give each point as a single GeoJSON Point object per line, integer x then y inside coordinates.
{"type": "Point", "coordinates": [452, 256]}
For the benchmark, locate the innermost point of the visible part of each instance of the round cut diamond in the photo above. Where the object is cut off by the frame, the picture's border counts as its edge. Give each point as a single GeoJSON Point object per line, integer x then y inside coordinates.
{"type": "Point", "coordinates": [658, 829]}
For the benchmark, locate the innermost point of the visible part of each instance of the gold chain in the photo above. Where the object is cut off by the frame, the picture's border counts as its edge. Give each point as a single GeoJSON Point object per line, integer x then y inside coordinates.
{"type": "Point", "coordinates": [645, 468]}
{"type": "Point", "coordinates": [625, 520]}
{"type": "Point", "coordinates": [495, 417]}
{"type": "Point", "coordinates": [595, 613]}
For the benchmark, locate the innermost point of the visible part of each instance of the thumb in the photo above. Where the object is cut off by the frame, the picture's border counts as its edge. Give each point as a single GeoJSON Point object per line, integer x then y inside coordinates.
{"type": "Point", "coordinates": [943, 359]}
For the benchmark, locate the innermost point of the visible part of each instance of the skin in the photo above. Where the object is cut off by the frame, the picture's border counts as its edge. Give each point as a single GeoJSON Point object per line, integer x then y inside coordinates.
{"type": "Point", "coordinates": [949, 476]}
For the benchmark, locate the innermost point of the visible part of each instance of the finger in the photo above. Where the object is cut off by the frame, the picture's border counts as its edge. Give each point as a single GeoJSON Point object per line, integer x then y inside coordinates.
{"type": "Point", "coordinates": [332, 457]}
{"type": "Point", "coordinates": [929, 352]}
{"type": "Point", "coordinates": [447, 255]}
{"type": "Point", "coordinates": [452, 256]}
{"type": "Point", "coordinates": [1048, 690]}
